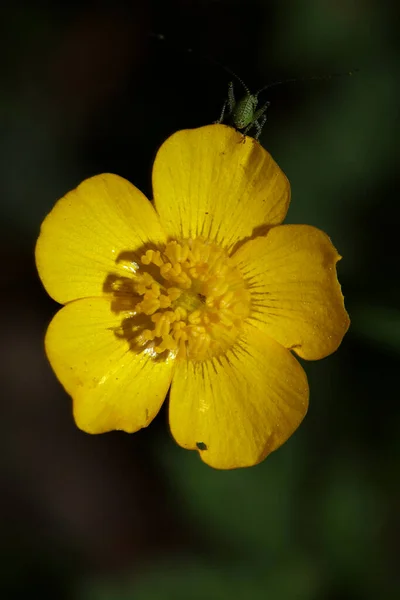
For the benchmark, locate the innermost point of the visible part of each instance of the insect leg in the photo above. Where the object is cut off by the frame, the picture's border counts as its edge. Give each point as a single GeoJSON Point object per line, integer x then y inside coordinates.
{"type": "Point", "coordinates": [259, 113]}
{"type": "Point", "coordinates": [258, 121]}
{"type": "Point", "coordinates": [259, 125]}
{"type": "Point", "coordinates": [230, 102]}
{"type": "Point", "coordinates": [222, 113]}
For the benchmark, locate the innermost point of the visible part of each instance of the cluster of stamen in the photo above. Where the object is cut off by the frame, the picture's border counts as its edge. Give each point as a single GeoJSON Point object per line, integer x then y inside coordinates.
{"type": "Point", "coordinates": [194, 297]}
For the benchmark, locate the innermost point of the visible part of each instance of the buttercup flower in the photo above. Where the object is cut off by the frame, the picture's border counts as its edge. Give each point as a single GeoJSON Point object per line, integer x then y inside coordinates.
{"type": "Point", "coordinates": [202, 291]}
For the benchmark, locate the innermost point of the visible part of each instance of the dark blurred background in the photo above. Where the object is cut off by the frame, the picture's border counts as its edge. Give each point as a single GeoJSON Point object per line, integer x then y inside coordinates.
{"type": "Point", "coordinates": [86, 88]}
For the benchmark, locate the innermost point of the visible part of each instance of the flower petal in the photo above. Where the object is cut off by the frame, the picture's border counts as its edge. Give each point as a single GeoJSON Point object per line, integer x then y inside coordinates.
{"type": "Point", "coordinates": [84, 235]}
{"type": "Point", "coordinates": [216, 183]}
{"type": "Point", "coordinates": [238, 408]}
{"type": "Point", "coordinates": [296, 297]}
{"type": "Point", "coordinates": [112, 386]}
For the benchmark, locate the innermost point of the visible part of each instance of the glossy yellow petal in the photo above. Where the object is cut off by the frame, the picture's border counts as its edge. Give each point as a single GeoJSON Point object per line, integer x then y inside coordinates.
{"type": "Point", "coordinates": [216, 183]}
{"type": "Point", "coordinates": [238, 408]}
{"type": "Point", "coordinates": [296, 297]}
{"type": "Point", "coordinates": [83, 237]}
{"type": "Point", "coordinates": [113, 387]}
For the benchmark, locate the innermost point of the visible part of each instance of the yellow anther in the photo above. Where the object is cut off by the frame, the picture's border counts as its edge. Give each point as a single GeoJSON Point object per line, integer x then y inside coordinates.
{"type": "Point", "coordinates": [158, 325]}
{"type": "Point", "coordinates": [146, 259]}
{"type": "Point", "coordinates": [180, 312]}
{"type": "Point", "coordinates": [172, 251]}
{"type": "Point", "coordinates": [181, 279]}
{"type": "Point", "coordinates": [170, 315]}
{"type": "Point", "coordinates": [194, 317]}
{"type": "Point", "coordinates": [165, 301]}
{"type": "Point", "coordinates": [148, 306]}
{"type": "Point", "coordinates": [148, 335]}
{"type": "Point", "coordinates": [177, 329]}
{"type": "Point", "coordinates": [203, 272]}
{"type": "Point", "coordinates": [152, 256]}
{"type": "Point", "coordinates": [163, 326]}
{"type": "Point", "coordinates": [140, 288]}
{"type": "Point", "coordinates": [167, 343]}
{"type": "Point", "coordinates": [149, 295]}
{"type": "Point", "coordinates": [196, 330]}
{"type": "Point", "coordinates": [184, 253]}
{"type": "Point", "coordinates": [184, 280]}
{"type": "Point", "coordinates": [147, 279]}
{"type": "Point", "coordinates": [174, 293]}
{"type": "Point", "coordinates": [156, 289]}
{"type": "Point", "coordinates": [176, 269]}
{"type": "Point", "coordinates": [178, 253]}
{"type": "Point", "coordinates": [165, 269]}
{"type": "Point", "coordinates": [195, 254]}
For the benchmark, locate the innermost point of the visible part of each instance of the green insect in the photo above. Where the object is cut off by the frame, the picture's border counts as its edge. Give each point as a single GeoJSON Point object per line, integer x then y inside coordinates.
{"type": "Point", "coordinates": [244, 114]}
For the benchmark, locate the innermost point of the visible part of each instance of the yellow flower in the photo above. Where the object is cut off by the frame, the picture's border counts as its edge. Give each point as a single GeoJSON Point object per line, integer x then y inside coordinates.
{"type": "Point", "coordinates": [203, 291]}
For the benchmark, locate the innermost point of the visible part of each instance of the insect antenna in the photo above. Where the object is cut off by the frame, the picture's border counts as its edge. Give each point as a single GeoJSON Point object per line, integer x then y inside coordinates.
{"type": "Point", "coordinates": [212, 60]}
{"type": "Point", "coordinates": [222, 66]}
{"type": "Point", "coordinates": [302, 79]}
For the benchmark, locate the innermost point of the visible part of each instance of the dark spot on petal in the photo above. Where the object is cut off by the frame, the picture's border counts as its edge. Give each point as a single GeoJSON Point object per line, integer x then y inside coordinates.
{"type": "Point", "coordinates": [201, 445]}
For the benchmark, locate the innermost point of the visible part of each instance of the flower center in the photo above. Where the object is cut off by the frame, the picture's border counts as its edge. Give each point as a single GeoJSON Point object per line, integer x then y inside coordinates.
{"type": "Point", "coordinates": [196, 299]}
